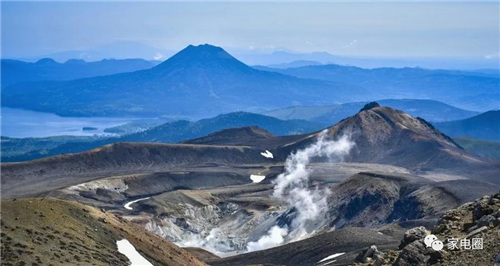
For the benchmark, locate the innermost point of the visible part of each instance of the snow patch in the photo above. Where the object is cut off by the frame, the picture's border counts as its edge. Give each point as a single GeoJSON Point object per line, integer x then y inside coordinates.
{"type": "Point", "coordinates": [267, 154]}
{"type": "Point", "coordinates": [328, 263]}
{"type": "Point", "coordinates": [257, 178]}
{"type": "Point", "coordinates": [331, 257]}
{"type": "Point", "coordinates": [136, 259]}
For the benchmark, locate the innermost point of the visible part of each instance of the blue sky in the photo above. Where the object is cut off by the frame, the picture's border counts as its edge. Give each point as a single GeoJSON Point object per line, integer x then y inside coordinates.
{"type": "Point", "coordinates": [387, 29]}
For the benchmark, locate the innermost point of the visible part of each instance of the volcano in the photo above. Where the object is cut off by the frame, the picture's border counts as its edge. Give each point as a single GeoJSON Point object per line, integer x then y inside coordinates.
{"type": "Point", "coordinates": [389, 136]}
{"type": "Point", "coordinates": [382, 135]}
{"type": "Point", "coordinates": [402, 172]}
{"type": "Point", "coordinates": [200, 80]}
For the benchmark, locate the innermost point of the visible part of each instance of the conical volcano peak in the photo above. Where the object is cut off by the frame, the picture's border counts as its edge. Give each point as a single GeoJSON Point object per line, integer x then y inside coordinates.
{"type": "Point", "coordinates": [204, 55]}
{"type": "Point", "coordinates": [205, 50]}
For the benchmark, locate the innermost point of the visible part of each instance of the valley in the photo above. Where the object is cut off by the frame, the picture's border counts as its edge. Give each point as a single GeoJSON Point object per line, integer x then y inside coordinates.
{"type": "Point", "coordinates": [350, 185]}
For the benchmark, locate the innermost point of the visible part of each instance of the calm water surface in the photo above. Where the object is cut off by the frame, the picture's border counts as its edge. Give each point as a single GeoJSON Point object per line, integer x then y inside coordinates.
{"type": "Point", "coordinates": [22, 123]}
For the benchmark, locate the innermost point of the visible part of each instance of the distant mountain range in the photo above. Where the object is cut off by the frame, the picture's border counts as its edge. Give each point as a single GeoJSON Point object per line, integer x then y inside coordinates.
{"type": "Point", "coordinates": [182, 130]}
{"type": "Point", "coordinates": [267, 58]}
{"type": "Point", "coordinates": [198, 81]}
{"type": "Point", "coordinates": [293, 64]}
{"type": "Point", "coordinates": [485, 126]}
{"type": "Point", "coordinates": [489, 149]}
{"type": "Point", "coordinates": [113, 50]}
{"type": "Point", "coordinates": [14, 71]}
{"type": "Point", "coordinates": [430, 110]}
{"type": "Point", "coordinates": [203, 81]}
{"type": "Point", "coordinates": [468, 90]}
{"type": "Point", "coordinates": [32, 148]}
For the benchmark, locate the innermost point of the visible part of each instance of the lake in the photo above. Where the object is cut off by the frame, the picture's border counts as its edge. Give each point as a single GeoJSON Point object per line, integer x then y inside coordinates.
{"type": "Point", "coordinates": [20, 123]}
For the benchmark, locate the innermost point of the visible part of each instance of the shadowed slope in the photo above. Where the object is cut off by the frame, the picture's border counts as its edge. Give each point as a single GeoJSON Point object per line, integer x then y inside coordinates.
{"type": "Point", "coordinates": [43, 175]}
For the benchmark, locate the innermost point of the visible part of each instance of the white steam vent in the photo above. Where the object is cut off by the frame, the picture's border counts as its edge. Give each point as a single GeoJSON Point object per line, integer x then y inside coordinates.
{"type": "Point", "coordinates": [292, 186]}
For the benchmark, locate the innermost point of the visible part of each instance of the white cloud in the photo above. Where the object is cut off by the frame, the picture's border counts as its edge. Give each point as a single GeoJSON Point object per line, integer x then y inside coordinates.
{"type": "Point", "coordinates": [159, 56]}
{"type": "Point", "coordinates": [352, 44]}
{"type": "Point", "coordinates": [492, 56]}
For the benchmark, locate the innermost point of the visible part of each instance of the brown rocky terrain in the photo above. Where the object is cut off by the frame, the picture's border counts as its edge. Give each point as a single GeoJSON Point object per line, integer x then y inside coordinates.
{"type": "Point", "coordinates": [246, 136]}
{"type": "Point", "coordinates": [312, 250]}
{"type": "Point", "coordinates": [382, 135]}
{"type": "Point", "coordinates": [401, 174]}
{"type": "Point", "coordinates": [202, 254]}
{"type": "Point", "coordinates": [374, 199]}
{"type": "Point", "coordinates": [41, 176]}
{"type": "Point", "coordinates": [479, 219]}
{"type": "Point", "coordinates": [242, 213]}
{"type": "Point", "coordinates": [47, 231]}
{"type": "Point", "coordinates": [388, 136]}
{"type": "Point", "coordinates": [234, 136]}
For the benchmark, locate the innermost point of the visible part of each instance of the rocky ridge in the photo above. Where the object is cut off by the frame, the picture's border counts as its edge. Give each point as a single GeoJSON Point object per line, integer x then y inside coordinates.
{"type": "Point", "coordinates": [458, 229]}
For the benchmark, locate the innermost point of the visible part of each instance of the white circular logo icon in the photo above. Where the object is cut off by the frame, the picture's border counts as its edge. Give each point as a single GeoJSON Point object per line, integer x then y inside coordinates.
{"type": "Point", "coordinates": [437, 245]}
{"type": "Point", "coordinates": [429, 239]}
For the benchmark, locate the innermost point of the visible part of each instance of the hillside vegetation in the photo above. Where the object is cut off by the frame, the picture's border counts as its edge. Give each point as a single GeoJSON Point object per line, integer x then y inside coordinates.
{"type": "Point", "coordinates": [485, 126]}
{"type": "Point", "coordinates": [490, 149]}
{"type": "Point", "coordinates": [47, 231]}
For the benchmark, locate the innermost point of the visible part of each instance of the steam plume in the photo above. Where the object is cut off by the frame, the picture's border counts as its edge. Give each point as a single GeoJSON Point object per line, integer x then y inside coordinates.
{"type": "Point", "coordinates": [292, 186]}
{"type": "Point", "coordinates": [273, 238]}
